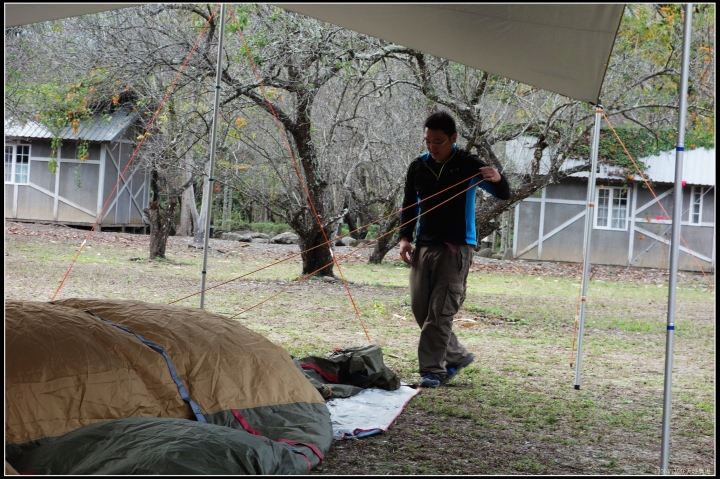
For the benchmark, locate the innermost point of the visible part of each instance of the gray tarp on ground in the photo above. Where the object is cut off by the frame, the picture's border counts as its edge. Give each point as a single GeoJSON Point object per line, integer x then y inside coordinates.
{"type": "Point", "coordinates": [369, 412]}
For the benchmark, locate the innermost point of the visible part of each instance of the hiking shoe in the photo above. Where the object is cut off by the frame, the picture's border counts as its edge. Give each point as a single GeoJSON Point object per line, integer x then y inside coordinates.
{"type": "Point", "coordinates": [429, 381]}
{"type": "Point", "coordinates": [453, 370]}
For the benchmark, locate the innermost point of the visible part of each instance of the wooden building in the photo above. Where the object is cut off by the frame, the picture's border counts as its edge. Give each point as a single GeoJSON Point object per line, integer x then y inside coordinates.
{"type": "Point", "coordinates": [79, 189]}
{"type": "Point", "coordinates": [629, 227]}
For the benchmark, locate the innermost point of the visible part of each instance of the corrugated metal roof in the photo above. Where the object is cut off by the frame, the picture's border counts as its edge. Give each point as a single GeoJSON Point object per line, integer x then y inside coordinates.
{"type": "Point", "coordinates": [106, 127]}
{"type": "Point", "coordinates": [698, 168]}
{"type": "Point", "coordinates": [698, 165]}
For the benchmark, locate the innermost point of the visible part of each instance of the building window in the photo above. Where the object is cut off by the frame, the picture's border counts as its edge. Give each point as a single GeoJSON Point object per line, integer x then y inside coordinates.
{"type": "Point", "coordinates": [696, 195]}
{"type": "Point", "coordinates": [17, 163]}
{"type": "Point", "coordinates": [611, 208]}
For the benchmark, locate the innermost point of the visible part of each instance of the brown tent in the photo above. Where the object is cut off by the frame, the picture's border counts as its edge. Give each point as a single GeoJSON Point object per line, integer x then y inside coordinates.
{"type": "Point", "coordinates": [108, 386]}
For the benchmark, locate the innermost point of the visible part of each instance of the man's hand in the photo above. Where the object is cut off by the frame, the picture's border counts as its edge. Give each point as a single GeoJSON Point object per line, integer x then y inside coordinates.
{"type": "Point", "coordinates": [406, 251]}
{"type": "Point", "coordinates": [490, 174]}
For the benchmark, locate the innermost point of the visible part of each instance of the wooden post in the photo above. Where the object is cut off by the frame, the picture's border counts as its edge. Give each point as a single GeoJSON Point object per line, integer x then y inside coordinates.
{"type": "Point", "coordinates": [506, 221]}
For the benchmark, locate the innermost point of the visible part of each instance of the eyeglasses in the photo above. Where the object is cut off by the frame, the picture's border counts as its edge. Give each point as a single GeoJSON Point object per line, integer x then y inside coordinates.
{"type": "Point", "coordinates": [428, 144]}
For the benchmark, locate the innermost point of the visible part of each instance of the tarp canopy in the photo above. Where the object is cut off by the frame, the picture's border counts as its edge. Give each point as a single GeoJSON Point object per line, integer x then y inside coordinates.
{"type": "Point", "coordinates": [17, 14]}
{"type": "Point", "coordinates": [560, 48]}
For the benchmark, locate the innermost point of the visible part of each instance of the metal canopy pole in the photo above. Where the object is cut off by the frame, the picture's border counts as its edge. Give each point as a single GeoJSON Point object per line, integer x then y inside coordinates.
{"type": "Point", "coordinates": [675, 245]}
{"type": "Point", "coordinates": [213, 132]}
{"type": "Point", "coordinates": [589, 216]}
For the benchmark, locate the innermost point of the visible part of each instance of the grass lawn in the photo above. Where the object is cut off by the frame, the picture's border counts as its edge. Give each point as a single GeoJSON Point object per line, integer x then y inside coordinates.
{"type": "Point", "coordinates": [515, 410]}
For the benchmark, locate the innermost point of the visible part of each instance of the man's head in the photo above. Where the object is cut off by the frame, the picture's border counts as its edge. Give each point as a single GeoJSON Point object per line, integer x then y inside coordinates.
{"type": "Point", "coordinates": [440, 135]}
{"type": "Point", "coordinates": [441, 121]}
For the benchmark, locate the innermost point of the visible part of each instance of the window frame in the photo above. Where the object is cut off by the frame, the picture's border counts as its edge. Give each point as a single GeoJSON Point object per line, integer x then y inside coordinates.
{"type": "Point", "coordinates": [611, 207]}
{"type": "Point", "coordinates": [14, 163]}
{"type": "Point", "coordinates": [699, 190]}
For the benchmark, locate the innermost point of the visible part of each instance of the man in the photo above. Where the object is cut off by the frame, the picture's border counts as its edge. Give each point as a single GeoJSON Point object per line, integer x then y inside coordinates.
{"type": "Point", "coordinates": [445, 242]}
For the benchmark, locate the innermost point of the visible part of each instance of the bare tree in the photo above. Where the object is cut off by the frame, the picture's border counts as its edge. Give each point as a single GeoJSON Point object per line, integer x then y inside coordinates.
{"type": "Point", "coordinates": [297, 63]}
{"type": "Point", "coordinates": [350, 106]}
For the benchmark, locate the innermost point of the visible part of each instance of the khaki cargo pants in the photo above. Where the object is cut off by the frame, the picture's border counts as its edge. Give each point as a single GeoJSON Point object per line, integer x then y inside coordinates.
{"type": "Point", "coordinates": [438, 278]}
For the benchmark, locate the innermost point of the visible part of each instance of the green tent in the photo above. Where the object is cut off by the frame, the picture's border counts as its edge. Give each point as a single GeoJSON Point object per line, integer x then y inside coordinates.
{"type": "Point", "coordinates": [125, 387]}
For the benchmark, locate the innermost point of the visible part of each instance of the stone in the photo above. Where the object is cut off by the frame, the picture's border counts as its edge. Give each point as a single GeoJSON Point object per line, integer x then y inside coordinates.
{"type": "Point", "coordinates": [230, 236]}
{"type": "Point", "coordinates": [285, 238]}
{"type": "Point", "coordinates": [346, 241]}
{"type": "Point", "coordinates": [485, 253]}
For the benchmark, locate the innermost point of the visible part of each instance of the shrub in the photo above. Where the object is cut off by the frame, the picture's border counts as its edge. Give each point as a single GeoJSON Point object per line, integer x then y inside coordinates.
{"type": "Point", "coordinates": [264, 227]}
{"type": "Point", "coordinates": [372, 231]}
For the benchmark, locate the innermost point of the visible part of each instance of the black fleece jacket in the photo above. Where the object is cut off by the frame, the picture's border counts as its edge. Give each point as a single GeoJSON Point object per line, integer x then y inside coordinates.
{"type": "Point", "coordinates": [452, 222]}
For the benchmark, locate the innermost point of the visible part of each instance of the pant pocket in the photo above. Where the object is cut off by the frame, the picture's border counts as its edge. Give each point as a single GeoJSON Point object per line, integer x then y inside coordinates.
{"type": "Point", "coordinates": [453, 299]}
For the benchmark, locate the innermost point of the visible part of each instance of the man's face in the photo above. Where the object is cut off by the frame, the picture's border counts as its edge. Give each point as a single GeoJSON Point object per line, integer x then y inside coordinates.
{"type": "Point", "coordinates": [439, 144]}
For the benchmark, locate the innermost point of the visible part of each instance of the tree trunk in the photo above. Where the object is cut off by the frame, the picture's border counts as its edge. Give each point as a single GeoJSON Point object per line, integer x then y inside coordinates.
{"type": "Point", "coordinates": [338, 232]}
{"type": "Point", "coordinates": [188, 209]}
{"type": "Point", "coordinates": [352, 225]}
{"type": "Point", "coordinates": [160, 223]}
{"type": "Point", "coordinates": [188, 213]}
{"type": "Point", "coordinates": [385, 243]}
{"type": "Point", "coordinates": [508, 242]}
{"type": "Point", "coordinates": [505, 235]}
{"type": "Point", "coordinates": [316, 259]}
{"type": "Point", "coordinates": [227, 209]}
{"type": "Point", "coordinates": [199, 234]}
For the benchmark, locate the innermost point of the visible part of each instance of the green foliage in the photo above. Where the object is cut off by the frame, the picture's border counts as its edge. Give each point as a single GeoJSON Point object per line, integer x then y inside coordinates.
{"type": "Point", "coordinates": [262, 227]}
{"type": "Point", "coordinates": [639, 143]}
{"type": "Point", "coordinates": [372, 231]}
{"type": "Point", "coordinates": [83, 152]}
{"type": "Point", "coordinates": [651, 36]}
{"type": "Point", "coordinates": [55, 144]}
{"type": "Point", "coordinates": [78, 177]}
{"type": "Point", "coordinates": [242, 18]}
{"type": "Point", "coordinates": [58, 106]}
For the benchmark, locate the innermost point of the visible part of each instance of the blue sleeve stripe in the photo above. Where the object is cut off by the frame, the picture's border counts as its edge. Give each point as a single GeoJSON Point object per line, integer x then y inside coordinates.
{"type": "Point", "coordinates": [487, 186]}
{"type": "Point", "coordinates": [470, 233]}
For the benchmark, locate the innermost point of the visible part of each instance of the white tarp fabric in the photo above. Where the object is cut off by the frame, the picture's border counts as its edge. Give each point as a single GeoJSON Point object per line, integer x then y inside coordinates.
{"type": "Point", "coordinates": [25, 13]}
{"type": "Point", "coordinates": [559, 48]}
{"type": "Point", "coordinates": [369, 412]}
